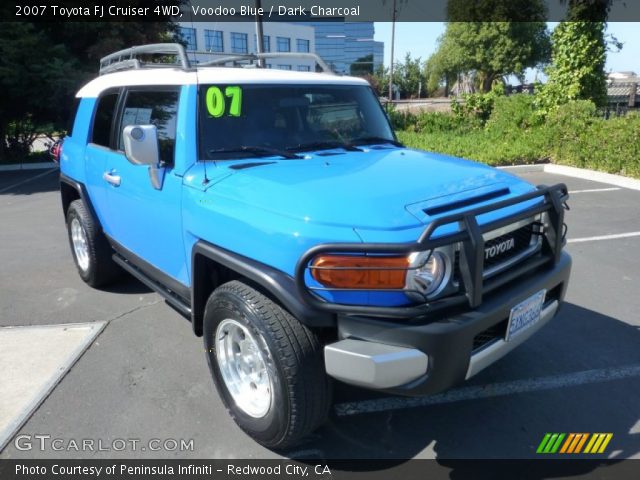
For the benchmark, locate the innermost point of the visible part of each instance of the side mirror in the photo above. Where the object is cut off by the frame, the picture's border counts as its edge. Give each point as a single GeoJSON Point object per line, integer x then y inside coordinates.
{"type": "Point", "coordinates": [141, 148]}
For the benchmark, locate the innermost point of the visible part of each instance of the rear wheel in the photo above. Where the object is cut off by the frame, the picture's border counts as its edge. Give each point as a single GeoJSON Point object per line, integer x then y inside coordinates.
{"type": "Point", "coordinates": [266, 365]}
{"type": "Point", "coordinates": [89, 247]}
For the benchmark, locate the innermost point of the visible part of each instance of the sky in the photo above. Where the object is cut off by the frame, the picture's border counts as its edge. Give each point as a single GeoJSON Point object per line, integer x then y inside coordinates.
{"type": "Point", "coordinates": [420, 38]}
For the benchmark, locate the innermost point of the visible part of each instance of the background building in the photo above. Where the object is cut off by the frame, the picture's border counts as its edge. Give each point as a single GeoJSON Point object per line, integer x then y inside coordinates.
{"type": "Point", "coordinates": [346, 45]}
{"type": "Point", "coordinates": [623, 90]}
{"type": "Point", "coordinates": [230, 38]}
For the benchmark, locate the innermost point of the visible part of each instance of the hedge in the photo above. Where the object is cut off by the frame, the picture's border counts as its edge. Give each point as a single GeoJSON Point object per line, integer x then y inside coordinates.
{"type": "Point", "coordinates": [515, 133]}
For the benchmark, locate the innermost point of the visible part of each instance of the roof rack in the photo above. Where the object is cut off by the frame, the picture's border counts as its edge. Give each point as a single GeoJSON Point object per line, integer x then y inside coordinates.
{"type": "Point", "coordinates": [253, 57]}
{"type": "Point", "coordinates": [126, 59]}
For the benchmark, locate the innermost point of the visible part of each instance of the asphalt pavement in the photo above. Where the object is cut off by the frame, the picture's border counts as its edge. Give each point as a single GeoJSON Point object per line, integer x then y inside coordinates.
{"type": "Point", "coordinates": [144, 380]}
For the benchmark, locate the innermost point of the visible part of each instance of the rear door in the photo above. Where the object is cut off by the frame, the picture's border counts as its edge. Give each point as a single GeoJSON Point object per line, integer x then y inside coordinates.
{"type": "Point", "coordinates": [146, 221]}
{"type": "Point", "coordinates": [100, 146]}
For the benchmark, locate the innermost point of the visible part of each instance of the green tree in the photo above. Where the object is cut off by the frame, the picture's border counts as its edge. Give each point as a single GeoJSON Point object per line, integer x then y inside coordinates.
{"type": "Point", "coordinates": [42, 65]}
{"type": "Point", "coordinates": [34, 75]}
{"type": "Point", "coordinates": [409, 76]}
{"type": "Point", "coordinates": [488, 51]}
{"type": "Point", "coordinates": [579, 54]}
{"type": "Point", "coordinates": [489, 39]}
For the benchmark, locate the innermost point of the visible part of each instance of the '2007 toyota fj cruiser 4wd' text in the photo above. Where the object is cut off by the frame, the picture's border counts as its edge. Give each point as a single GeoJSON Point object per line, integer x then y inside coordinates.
{"type": "Point", "coordinates": [277, 211]}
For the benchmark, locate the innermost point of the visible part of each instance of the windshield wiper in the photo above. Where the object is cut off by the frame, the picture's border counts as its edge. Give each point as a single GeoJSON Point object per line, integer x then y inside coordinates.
{"type": "Point", "coordinates": [257, 151]}
{"type": "Point", "coordinates": [324, 145]}
{"type": "Point", "coordinates": [372, 140]}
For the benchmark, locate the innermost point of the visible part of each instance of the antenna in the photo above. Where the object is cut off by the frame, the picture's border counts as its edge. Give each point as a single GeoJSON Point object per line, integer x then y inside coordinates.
{"type": "Point", "coordinates": [205, 180]}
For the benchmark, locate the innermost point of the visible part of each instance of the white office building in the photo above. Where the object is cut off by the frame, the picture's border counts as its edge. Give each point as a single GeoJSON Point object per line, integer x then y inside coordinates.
{"type": "Point", "coordinates": [210, 40]}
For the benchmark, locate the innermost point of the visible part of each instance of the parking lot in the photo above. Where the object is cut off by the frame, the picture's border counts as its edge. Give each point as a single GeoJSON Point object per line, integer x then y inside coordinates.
{"type": "Point", "coordinates": [144, 376]}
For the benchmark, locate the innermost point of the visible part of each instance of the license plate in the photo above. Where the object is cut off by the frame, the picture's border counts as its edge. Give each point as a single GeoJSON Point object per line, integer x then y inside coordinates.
{"type": "Point", "coordinates": [525, 315]}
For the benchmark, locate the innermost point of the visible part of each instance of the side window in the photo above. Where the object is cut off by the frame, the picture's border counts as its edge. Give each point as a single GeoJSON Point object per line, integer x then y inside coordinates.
{"type": "Point", "coordinates": [159, 108]}
{"type": "Point", "coordinates": [101, 134]}
{"type": "Point", "coordinates": [72, 116]}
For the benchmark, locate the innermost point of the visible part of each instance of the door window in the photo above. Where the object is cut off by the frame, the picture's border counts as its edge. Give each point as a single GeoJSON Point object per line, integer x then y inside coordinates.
{"type": "Point", "coordinates": [152, 107]}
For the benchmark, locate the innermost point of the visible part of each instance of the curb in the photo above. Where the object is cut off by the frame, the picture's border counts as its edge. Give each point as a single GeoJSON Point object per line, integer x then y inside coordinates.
{"type": "Point", "coordinates": [592, 175]}
{"type": "Point", "coordinates": [610, 178]}
{"type": "Point", "coordinates": [27, 166]}
{"type": "Point", "coordinates": [524, 168]}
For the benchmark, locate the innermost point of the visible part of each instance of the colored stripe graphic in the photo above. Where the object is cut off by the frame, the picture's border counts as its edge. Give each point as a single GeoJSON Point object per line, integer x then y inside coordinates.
{"type": "Point", "coordinates": [556, 445]}
{"type": "Point", "coordinates": [590, 444]}
{"type": "Point", "coordinates": [576, 442]}
{"type": "Point", "coordinates": [568, 442]}
{"type": "Point", "coordinates": [598, 443]}
{"type": "Point", "coordinates": [552, 442]}
{"type": "Point", "coordinates": [605, 442]}
{"type": "Point", "coordinates": [582, 441]}
{"type": "Point", "coordinates": [543, 443]}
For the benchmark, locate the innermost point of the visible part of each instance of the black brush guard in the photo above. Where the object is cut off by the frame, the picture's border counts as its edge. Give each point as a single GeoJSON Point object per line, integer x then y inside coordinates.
{"type": "Point", "coordinates": [470, 236]}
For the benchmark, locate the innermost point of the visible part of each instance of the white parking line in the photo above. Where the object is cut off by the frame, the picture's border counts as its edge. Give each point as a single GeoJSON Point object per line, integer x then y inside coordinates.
{"type": "Point", "coordinates": [604, 237]}
{"type": "Point", "coordinates": [28, 180]}
{"type": "Point", "coordinates": [553, 382]}
{"type": "Point", "coordinates": [592, 190]}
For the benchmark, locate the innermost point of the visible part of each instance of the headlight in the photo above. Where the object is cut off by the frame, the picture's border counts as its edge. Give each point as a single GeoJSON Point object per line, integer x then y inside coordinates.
{"type": "Point", "coordinates": [430, 272]}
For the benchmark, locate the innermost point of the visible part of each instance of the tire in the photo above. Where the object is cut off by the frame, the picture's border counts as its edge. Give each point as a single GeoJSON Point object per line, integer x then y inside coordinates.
{"type": "Point", "coordinates": [300, 393]}
{"type": "Point", "coordinates": [93, 259]}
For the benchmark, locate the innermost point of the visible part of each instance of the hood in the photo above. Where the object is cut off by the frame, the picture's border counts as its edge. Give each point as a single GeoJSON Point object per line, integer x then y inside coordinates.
{"type": "Point", "coordinates": [380, 189]}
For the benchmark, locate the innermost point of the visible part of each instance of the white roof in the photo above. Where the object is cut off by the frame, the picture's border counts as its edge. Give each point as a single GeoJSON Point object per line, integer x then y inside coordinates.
{"type": "Point", "coordinates": [205, 75]}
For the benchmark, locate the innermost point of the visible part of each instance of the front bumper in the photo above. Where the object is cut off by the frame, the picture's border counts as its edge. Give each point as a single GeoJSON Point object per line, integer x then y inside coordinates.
{"type": "Point", "coordinates": [405, 358]}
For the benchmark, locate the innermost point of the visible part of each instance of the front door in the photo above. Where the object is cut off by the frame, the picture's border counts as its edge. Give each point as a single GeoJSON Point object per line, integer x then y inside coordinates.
{"type": "Point", "coordinates": [147, 221]}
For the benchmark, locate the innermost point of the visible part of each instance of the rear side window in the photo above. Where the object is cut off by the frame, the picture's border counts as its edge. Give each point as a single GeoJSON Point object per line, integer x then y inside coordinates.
{"type": "Point", "coordinates": [72, 116]}
{"type": "Point", "coordinates": [153, 107]}
{"type": "Point", "coordinates": [101, 134]}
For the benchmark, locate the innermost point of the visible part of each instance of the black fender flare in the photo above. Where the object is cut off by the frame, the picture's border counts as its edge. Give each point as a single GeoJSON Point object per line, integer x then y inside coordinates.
{"type": "Point", "coordinates": [273, 282]}
{"type": "Point", "coordinates": [82, 194]}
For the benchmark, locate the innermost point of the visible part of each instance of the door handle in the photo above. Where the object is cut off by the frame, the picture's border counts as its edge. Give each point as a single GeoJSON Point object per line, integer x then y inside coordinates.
{"type": "Point", "coordinates": [112, 179]}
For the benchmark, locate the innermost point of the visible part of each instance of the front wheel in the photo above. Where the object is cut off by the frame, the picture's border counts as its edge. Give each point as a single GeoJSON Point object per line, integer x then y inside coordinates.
{"type": "Point", "coordinates": [266, 365]}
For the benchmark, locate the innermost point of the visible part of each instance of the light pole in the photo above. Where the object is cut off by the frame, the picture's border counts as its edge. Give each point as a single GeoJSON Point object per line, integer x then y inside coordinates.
{"type": "Point", "coordinates": [393, 39]}
{"type": "Point", "coordinates": [259, 33]}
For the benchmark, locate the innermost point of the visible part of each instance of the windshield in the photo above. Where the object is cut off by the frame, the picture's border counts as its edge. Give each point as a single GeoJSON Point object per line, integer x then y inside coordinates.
{"type": "Point", "coordinates": [249, 120]}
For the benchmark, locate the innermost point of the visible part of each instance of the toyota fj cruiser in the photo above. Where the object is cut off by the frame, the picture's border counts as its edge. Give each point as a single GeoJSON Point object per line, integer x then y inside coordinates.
{"type": "Point", "coordinates": [277, 211]}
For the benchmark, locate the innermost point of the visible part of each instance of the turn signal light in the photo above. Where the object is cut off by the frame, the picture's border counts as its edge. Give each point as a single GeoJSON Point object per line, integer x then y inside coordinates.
{"type": "Point", "coordinates": [360, 272]}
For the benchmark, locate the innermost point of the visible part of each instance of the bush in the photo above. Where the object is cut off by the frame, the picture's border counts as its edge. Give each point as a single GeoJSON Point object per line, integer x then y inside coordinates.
{"type": "Point", "coordinates": [478, 105]}
{"type": "Point", "coordinates": [431, 122]}
{"type": "Point", "coordinates": [611, 146]}
{"type": "Point", "coordinates": [575, 116]}
{"type": "Point", "coordinates": [401, 120]}
{"type": "Point", "coordinates": [565, 127]}
{"type": "Point", "coordinates": [480, 145]}
{"type": "Point", "coordinates": [515, 133]}
{"type": "Point", "coordinates": [514, 112]}
{"type": "Point", "coordinates": [436, 122]}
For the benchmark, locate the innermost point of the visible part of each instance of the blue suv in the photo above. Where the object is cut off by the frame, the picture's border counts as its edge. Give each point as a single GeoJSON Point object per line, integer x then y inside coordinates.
{"type": "Point", "coordinates": [278, 213]}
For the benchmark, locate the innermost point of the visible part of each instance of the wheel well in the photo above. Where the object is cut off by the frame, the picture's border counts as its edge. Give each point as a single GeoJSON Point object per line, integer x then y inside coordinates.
{"type": "Point", "coordinates": [207, 276]}
{"type": "Point", "coordinates": [212, 266]}
{"type": "Point", "coordinates": [68, 194]}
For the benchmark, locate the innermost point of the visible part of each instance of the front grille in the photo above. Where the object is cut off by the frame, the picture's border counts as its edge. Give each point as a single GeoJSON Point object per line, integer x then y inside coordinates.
{"type": "Point", "coordinates": [521, 242]}
{"type": "Point", "coordinates": [523, 239]}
